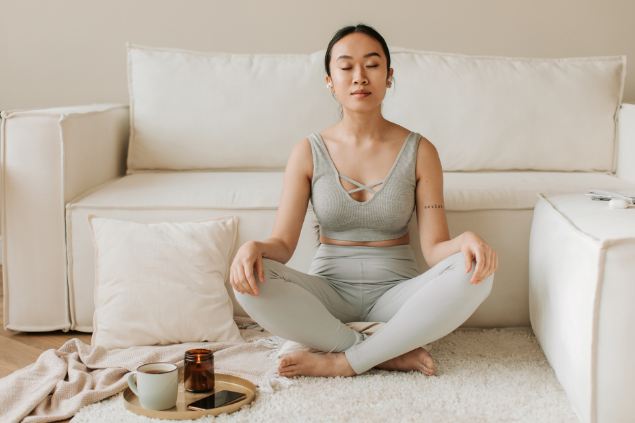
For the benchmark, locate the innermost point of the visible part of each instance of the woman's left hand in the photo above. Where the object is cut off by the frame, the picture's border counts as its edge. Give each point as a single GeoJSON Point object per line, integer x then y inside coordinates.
{"type": "Point", "coordinates": [473, 246]}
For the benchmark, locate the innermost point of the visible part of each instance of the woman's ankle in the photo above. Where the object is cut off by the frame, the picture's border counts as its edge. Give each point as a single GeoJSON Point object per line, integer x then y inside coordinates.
{"type": "Point", "coordinates": [344, 366]}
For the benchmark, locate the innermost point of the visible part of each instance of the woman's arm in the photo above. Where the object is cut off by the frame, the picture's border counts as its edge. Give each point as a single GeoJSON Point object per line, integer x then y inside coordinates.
{"type": "Point", "coordinates": [296, 191]}
{"type": "Point", "coordinates": [436, 244]}
{"type": "Point", "coordinates": [284, 237]}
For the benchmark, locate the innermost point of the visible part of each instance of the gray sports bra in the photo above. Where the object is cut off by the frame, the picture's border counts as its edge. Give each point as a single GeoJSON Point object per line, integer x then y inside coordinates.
{"type": "Point", "coordinates": [384, 216]}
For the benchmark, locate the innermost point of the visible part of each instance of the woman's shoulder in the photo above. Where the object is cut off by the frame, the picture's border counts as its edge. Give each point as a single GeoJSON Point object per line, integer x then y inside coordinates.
{"type": "Point", "coordinates": [427, 162]}
{"type": "Point", "coordinates": [301, 158]}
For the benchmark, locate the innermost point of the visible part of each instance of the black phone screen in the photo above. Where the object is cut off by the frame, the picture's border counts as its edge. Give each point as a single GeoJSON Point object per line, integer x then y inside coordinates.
{"type": "Point", "coordinates": [216, 400]}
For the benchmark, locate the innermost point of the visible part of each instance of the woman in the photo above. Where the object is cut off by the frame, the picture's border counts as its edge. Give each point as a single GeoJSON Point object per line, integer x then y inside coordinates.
{"type": "Point", "coordinates": [364, 268]}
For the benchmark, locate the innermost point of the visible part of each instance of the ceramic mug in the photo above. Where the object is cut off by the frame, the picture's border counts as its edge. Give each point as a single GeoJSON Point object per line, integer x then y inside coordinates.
{"type": "Point", "coordinates": [157, 385]}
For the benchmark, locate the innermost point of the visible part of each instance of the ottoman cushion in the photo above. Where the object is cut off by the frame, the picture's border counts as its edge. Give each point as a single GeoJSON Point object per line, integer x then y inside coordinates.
{"type": "Point", "coordinates": [581, 294]}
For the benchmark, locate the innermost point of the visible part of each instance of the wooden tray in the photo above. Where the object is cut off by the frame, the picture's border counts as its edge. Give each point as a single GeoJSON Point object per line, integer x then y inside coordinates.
{"type": "Point", "coordinates": [180, 411]}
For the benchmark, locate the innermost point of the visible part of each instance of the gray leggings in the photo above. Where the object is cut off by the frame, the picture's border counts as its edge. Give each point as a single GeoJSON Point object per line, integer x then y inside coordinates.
{"type": "Point", "coordinates": [365, 284]}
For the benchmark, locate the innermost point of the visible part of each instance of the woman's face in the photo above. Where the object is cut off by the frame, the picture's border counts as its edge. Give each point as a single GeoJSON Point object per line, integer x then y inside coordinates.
{"type": "Point", "coordinates": [358, 63]}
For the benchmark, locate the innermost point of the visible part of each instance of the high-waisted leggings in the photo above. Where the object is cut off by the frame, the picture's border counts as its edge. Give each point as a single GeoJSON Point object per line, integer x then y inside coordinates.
{"type": "Point", "coordinates": [365, 284]}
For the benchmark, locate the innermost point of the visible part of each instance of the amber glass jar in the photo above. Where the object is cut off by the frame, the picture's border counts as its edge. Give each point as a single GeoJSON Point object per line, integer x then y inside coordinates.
{"type": "Point", "coordinates": [199, 370]}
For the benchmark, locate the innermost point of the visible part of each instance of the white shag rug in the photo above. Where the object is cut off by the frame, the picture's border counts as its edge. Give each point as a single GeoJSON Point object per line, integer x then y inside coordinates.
{"type": "Point", "coordinates": [481, 375]}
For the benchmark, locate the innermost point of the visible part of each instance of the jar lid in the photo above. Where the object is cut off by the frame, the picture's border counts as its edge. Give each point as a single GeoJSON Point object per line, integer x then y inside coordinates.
{"type": "Point", "coordinates": [198, 353]}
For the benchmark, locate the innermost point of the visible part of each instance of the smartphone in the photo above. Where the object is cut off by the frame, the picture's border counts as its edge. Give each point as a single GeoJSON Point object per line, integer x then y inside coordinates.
{"type": "Point", "coordinates": [217, 399]}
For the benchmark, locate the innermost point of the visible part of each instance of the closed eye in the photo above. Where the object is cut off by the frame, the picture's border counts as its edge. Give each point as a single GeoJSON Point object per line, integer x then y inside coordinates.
{"type": "Point", "coordinates": [374, 66]}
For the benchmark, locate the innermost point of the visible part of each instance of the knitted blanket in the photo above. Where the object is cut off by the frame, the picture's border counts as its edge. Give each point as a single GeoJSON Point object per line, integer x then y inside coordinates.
{"type": "Point", "coordinates": [62, 381]}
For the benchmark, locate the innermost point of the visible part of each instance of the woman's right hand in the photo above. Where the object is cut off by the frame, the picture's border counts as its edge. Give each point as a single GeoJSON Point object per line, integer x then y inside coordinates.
{"type": "Point", "coordinates": [241, 273]}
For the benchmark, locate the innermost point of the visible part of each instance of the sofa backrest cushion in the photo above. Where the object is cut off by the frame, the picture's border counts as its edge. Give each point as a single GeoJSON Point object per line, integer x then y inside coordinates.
{"type": "Point", "coordinates": [209, 111]}
{"type": "Point", "coordinates": [223, 111]}
{"type": "Point", "coordinates": [507, 113]}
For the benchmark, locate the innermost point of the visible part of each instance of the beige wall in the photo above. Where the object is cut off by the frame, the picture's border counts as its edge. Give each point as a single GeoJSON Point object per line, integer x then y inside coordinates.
{"type": "Point", "coordinates": [68, 52]}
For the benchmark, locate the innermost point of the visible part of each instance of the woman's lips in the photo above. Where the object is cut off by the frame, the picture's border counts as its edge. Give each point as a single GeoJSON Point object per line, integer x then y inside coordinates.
{"type": "Point", "coordinates": [361, 95]}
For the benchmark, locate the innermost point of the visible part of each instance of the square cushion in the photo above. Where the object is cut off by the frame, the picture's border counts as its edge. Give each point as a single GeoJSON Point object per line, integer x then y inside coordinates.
{"type": "Point", "coordinates": [162, 283]}
{"type": "Point", "coordinates": [193, 110]}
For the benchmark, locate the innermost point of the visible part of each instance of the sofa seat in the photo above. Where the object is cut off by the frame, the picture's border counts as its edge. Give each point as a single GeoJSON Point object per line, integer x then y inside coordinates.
{"type": "Point", "coordinates": [496, 205]}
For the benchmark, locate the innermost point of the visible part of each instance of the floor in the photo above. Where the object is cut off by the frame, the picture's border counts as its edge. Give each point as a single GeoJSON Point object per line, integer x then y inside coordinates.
{"type": "Point", "coordinates": [19, 349]}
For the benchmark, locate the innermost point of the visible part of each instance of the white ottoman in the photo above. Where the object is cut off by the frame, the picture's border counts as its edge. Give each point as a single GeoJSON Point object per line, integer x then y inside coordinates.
{"type": "Point", "coordinates": [582, 301]}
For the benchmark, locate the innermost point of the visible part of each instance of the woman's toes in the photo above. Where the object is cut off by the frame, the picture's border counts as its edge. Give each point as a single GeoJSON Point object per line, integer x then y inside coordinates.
{"type": "Point", "coordinates": [287, 361]}
{"type": "Point", "coordinates": [288, 365]}
{"type": "Point", "coordinates": [426, 371]}
{"type": "Point", "coordinates": [428, 363]}
{"type": "Point", "coordinates": [287, 373]}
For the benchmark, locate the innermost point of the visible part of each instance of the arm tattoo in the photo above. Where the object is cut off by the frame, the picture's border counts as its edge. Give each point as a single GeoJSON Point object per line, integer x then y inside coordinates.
{"type": "Point", "coordinates": [435, 206]}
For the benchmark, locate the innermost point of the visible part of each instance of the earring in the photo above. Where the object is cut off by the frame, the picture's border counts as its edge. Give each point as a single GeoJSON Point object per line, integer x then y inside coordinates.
{"type": "Point", "coordinates": [390, 81]}
{"type": "Point", "coordinates": [329, 86]}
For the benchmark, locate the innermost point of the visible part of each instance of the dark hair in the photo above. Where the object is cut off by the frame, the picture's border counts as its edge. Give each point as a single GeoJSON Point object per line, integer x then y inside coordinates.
{"type": "Point", "coordinates": [364, 29]}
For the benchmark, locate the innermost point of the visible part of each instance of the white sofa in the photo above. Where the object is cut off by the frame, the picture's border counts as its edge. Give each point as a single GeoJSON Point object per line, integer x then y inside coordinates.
{"type": "Point", "coordinates": [209, 134]}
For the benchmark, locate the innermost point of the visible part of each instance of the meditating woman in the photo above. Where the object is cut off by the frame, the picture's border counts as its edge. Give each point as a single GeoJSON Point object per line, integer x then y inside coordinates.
{"type": "Point", "coordinates": [364, 176]}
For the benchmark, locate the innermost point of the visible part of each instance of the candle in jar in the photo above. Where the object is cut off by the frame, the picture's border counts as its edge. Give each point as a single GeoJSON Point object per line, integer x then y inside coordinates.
{"type": "Point", "coordinates": [199, 370]}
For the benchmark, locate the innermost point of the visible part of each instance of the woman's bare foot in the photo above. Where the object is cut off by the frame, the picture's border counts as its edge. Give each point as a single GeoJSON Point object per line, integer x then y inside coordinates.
{"type": "Point", "coordinates": [417, 359]}
{"type": "Point", "coordinates": [304, 363]}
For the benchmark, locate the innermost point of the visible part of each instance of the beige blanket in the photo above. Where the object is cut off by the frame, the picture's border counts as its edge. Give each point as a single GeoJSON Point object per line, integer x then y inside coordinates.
{"type": "Point", "coordinates": [63, 381]}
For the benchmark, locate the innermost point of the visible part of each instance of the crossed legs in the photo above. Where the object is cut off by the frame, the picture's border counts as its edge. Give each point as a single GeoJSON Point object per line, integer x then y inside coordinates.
{"type": "Point", "coordinates": [419, 311]}
{"type": "Point", "coordinates": [307, 309]}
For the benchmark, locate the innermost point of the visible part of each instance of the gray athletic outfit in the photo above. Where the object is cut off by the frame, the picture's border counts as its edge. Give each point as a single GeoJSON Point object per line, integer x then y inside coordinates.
{"type": "Point", "coordinates": [361, 283]}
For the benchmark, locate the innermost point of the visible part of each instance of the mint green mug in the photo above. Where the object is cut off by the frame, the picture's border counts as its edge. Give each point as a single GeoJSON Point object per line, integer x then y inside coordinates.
{"type": "Point", "coordinates": [157, 385]}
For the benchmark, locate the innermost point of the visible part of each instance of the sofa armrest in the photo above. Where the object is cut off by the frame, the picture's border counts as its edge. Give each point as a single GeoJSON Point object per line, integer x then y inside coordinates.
{"type": "Point", "coordinates": [626, 142]}
{"type": "Point", "coordinates": [49, 157]}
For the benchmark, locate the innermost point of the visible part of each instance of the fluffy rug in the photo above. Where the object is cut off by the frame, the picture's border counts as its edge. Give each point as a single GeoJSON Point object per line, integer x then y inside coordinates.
{"type": "Point", "coordinates": [481, 375]}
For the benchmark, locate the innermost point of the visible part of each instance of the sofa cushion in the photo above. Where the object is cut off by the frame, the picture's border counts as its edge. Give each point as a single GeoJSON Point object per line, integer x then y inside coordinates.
{"type": "Point", "coordinates": [263, 190]}
{"type": "Point", "coordinates": [510, 113]}
{"type": "Point", "coordinates": [190, 110]}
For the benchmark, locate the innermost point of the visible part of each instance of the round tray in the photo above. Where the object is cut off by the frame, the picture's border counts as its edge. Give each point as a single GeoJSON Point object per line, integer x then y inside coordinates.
{"type": "Point", "coordinates": [180, 411]}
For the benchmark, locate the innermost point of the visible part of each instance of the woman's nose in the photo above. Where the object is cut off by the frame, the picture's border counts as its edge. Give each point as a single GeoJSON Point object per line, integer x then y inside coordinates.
{"type": "Point", "coordinates": [360, 76]}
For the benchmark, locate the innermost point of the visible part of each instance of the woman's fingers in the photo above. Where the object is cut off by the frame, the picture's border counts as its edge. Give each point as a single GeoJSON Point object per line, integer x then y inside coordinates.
{"type": "Point", "coordinates": [488, 266]}
{"type": "Point", "coordinates": [242, 280]}
{"type": "Point", "coordinates": [242, 276]}
{"type": "Point", "coordinates": [480, 265]}
{"type": "Point", "coordinates": [260, 269]}
{"type": "Point", "coordinates": [494, 262]}
{"type": "Point", "coordinates": [467, 257]}
{"type": "Point", "coordinates": [491, 261]}
{"type": "Point", "coordinates": [232, 280]}
{"type": "Point", "coordinates": [250, 280]}
{"type": "Point", "coordinates": [487, 262]}
{"type": "Point", "coordinates": [237, 284]}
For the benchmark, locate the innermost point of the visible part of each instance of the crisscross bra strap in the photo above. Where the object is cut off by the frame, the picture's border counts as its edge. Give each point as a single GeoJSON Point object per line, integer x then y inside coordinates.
{"type": "Point", "coordinates": [361, 186]}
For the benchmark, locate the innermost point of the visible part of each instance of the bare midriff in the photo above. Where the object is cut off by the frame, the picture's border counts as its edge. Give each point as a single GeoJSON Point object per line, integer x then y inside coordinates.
{"type": "Point", "coordinates": [387, 243]}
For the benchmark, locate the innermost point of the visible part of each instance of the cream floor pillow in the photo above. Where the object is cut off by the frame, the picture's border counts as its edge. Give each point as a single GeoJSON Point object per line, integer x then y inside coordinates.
{"type": "Point", "coordinates": [162, 283]}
